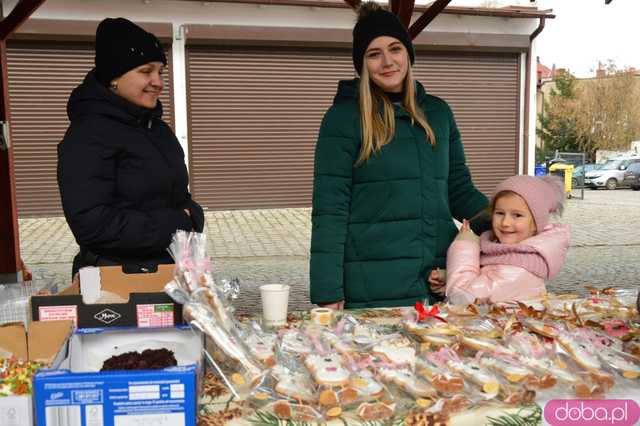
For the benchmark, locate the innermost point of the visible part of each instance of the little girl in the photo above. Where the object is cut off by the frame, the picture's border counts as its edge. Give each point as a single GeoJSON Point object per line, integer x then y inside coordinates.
{"type": "Point", "coordinates": [511, 261]}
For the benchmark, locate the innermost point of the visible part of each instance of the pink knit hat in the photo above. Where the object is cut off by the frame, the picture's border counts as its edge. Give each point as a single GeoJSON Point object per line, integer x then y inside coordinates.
{"type": "Point", "coordinates": [544, 195]}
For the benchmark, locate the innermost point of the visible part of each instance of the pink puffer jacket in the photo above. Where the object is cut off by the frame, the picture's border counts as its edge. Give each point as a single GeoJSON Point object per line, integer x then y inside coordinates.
{"type": "Point", "coordinates": [505, 272]}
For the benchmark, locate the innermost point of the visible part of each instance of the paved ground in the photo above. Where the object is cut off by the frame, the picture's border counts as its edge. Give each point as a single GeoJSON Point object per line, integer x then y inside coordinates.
{"type": "Point", "coordinates": [269, 246]}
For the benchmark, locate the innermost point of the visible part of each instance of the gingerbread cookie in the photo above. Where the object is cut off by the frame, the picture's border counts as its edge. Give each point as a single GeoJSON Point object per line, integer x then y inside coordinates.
{"type": "Point", "coordinates": [444, 381]}
{"type": "Point", "coordinates": [327, 369]}
{"type": "Point", "coordinates": [342, 344]}
{"type": "Point", "coordinates": [489, 383]}
{"type": "Point", "coordinates": [262, 347]}
{"type": "Point", "coordinates": [366, 385]}
{"type": "Point", "coordinates": [398, 350]}
{"type": "Point", "coordinates": [514, 373]}
{"type": "Point", "coordinates": [371, 411]}
{"type": "Point", "coordinates": [293, 384]}
{"type": "Point", "coordinates": [408, 382]}
{"type": "Point", "coordinates": [287, 410]}
{"type": "Point", "coordinates": [295, 342]}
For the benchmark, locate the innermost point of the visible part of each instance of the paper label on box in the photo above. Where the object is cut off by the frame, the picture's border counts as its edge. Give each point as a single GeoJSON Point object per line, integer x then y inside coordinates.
{"type": "Point", "coordinates": [57, 313]}
{"type": "Point", "coordinates": [155, 315]}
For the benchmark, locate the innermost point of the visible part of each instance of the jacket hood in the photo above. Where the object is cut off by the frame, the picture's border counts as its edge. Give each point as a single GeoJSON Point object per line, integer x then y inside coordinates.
{"type": "Point", "coordinates": [349, 89]}
{"type": "Point", "coordinates": [91, 98]}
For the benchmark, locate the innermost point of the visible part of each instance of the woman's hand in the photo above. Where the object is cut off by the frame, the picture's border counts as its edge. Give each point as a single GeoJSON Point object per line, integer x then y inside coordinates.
{"type": "Point", "coordinates": [466, 234]}
{"type": "Point", "coordinates": [338, 306]}
{"type": "Point", "coordinates": [438, 281]}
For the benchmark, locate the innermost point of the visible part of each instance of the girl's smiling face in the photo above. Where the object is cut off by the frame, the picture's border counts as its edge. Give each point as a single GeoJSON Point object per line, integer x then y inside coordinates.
{"type": "Point", "coordinates": [511, 220]}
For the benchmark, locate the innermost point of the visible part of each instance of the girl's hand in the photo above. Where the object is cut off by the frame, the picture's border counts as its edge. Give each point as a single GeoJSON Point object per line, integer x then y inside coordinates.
{"type": "Point", "coordinates": [338, 306]}
{"type": "Point", "coordinates": [437, 281]}
{"type": "Point", "coordinates": [466, 234]}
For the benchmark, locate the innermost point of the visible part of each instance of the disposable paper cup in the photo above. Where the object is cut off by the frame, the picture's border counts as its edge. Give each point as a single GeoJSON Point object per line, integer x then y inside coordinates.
{"type": "Point", "coordinates": [275, 303]}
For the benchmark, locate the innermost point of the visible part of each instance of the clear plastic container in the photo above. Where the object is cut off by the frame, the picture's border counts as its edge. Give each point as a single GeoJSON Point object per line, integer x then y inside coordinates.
{"type": "Point", "coordinates": [14, 298]}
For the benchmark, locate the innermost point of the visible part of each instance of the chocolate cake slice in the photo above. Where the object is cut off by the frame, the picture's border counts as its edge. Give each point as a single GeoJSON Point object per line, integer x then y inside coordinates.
{"type": "Point", "coordinates": [149, 359]}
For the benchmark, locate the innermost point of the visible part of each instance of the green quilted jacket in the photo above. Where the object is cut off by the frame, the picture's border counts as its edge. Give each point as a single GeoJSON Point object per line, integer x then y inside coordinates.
{"type": "Point", "coordinates": [379, 228]}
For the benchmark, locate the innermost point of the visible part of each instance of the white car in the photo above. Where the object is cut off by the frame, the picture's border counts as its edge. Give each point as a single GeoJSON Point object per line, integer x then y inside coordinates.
{"type": "Point", "coordinates": [611, 175]}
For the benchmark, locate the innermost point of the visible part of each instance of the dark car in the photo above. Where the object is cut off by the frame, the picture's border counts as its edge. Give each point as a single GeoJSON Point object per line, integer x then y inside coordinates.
{"type": "Point", "coordinates": [632, 176]}
{"type": "Point", "coordinates": [578, 174]}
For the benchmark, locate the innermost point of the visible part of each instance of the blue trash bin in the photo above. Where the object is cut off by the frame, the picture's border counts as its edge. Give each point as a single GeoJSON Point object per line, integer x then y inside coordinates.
{"type": "Point", "coordinates": [540, 170]}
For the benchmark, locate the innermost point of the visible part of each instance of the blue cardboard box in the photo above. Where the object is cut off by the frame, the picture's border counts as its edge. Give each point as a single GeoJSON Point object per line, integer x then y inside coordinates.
{"type": "Point", "coordinates": [78, 394]}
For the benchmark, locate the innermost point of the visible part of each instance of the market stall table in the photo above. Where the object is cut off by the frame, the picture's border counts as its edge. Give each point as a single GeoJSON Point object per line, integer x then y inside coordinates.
{"type": "Point", "coordinates": [220, 406]}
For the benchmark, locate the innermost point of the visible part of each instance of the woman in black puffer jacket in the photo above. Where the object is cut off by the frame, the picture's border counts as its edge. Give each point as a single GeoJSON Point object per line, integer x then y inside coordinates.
{"type": "Point", "coordinates": [121, 171]}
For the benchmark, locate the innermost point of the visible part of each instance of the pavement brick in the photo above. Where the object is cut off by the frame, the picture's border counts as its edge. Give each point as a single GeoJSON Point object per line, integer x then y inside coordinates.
{"type": "Point", "coordinates": [267, 246]}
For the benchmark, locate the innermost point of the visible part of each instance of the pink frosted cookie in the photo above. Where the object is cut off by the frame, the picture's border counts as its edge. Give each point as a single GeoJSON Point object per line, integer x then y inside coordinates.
{"type": "Point", "coordinates": [327, 369]}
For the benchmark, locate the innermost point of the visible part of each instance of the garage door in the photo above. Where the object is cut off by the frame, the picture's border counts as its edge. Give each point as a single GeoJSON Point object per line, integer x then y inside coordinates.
{"type": "Point", "coordinates": [254, 115]}
{"type": "Point", "coordinates": [482, 91]}
{"type": "Point", "coordinates": [41, 78]}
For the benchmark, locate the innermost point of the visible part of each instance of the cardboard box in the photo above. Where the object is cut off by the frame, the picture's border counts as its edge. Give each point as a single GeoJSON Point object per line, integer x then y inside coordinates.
{"type": "Point", "coordinates": [45, 343]}
{"type": "Point", "coordinates": [83, 396]}
{"type": "Point", "coordinates": [108, 297]}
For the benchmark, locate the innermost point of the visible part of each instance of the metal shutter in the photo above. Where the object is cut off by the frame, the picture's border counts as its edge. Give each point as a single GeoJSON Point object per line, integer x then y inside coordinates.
{"type": "Point", "coordinates": [254, 115]}
{"type": "Point", "coordinates": [482, 90]}
{"type": "Point", "coordinates": [41, 78]}
{"type": "Point", "coordinates": [254, 118]}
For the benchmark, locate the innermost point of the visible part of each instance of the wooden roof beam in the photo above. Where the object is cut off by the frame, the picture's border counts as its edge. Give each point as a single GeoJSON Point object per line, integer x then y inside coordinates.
{"type": "Point", "coordinates": [405, 11]}
{"type": "Point", "coordinates": [353, 4]}
{"type": "Point", "coordinates": [394, 6]}
{"type": "Point", "coordinates": [429, 15]}
{"type": "Point", "coordinates": [18, 15]}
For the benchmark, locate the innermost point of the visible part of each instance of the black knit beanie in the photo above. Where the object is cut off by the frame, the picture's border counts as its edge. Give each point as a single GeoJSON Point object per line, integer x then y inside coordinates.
{"type": "Point", "coordinates": [373, 22]}
{"type": "Point", "coordinates": [122, 46]}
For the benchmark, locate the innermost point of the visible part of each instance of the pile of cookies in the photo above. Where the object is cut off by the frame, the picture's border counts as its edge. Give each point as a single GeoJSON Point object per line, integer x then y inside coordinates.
{"type": "Point", "coordinates": [441, 364]}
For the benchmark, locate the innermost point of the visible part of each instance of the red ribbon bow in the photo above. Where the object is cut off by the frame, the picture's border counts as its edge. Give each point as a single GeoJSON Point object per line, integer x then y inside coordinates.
{"type": "Point", "coordinates": [433, 312]}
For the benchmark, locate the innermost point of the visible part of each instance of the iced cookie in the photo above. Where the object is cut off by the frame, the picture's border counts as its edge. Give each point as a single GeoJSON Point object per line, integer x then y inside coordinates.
{"type": "Point", "coordinates": [370, 411]}
{"type": "Point", "coordinates": [444, 381]}
{"type": "Point", "coordinates": [342, 344]}
{"type": "Point", "coordinates": [286, 410]}
{"type": "Point", "coordinates": [398, 350]}
{"type": "Point", "coordinates": [476, 374]}
{"type": "Point", "coordinates": [514, 373]}
{"type": "Point", "coordinates": [296, 342]}
{"type": "Point", "coordinates": [327, 369]}
{"type": "Point", "coordinates": [293, 384]}
{"type": "Point", "coordinates": [408, 382]}
{"type": "Point", "coordinates": [367, 386]}
{"type": "Point", "coordinates": [262, 347]}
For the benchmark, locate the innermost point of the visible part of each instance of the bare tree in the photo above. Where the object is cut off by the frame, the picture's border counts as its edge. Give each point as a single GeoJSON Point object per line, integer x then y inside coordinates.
{"type": "Point", "coordinates": [607, 110]}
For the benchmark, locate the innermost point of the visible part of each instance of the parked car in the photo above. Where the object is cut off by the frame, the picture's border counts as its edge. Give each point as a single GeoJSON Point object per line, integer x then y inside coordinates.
{"type": "Point", "coordinates": [579, 172]}
{"type": "Point", "coordinates": [632, 176]}
{"type": "Point", "coordinates": [612, 174]}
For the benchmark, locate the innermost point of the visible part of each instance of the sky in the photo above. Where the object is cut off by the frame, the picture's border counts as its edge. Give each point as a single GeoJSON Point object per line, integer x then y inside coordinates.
{"type": "Point", "coordinates": [586, 31]}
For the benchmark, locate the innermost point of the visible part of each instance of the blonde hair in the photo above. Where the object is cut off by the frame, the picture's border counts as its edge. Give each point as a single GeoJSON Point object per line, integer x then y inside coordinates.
{"type": "Point", "coordinates": [378, 127]}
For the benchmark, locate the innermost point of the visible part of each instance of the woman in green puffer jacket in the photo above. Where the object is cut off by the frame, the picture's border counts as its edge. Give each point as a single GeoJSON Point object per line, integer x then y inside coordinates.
{"type": "Point", "coordinates": [390, 176]}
